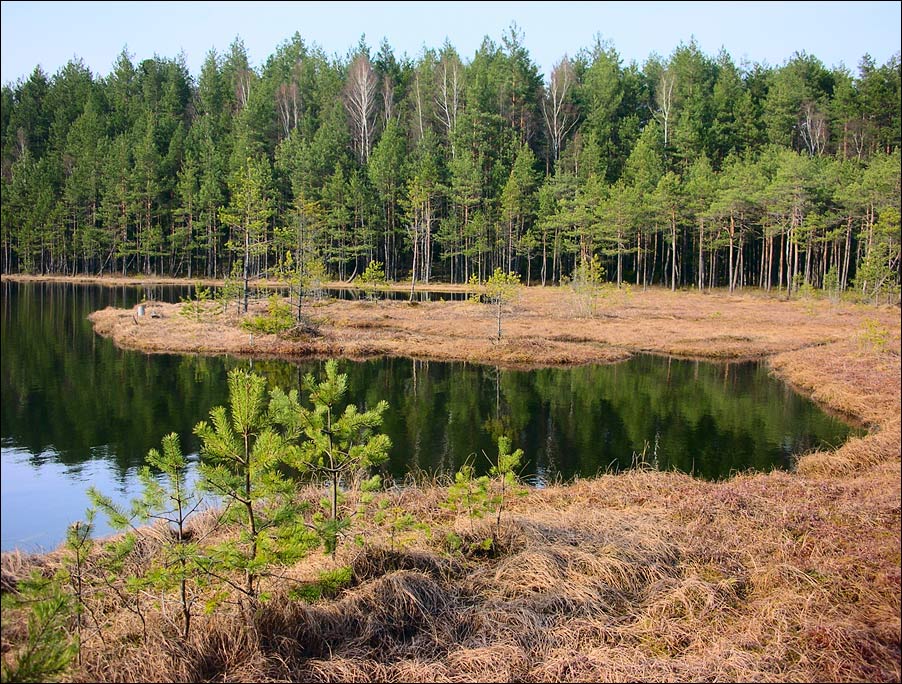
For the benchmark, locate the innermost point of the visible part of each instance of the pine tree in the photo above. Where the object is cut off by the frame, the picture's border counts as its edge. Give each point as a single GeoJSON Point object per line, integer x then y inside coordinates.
{"type": "Point", "coordinates": [241, 452]}
{"type": "Point", "coordinates": [330, 442]}
{"type": "Point", "coordinates": [249, 212]}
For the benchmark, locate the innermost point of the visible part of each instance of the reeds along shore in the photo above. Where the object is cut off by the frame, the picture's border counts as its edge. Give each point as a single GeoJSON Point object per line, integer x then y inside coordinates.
{"type": "Point", "coordinates": [644, 575]}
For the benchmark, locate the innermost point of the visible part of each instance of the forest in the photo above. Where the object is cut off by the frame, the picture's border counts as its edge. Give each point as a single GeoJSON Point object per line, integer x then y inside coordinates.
{"type": "Point", "coordinates": [685, 171]}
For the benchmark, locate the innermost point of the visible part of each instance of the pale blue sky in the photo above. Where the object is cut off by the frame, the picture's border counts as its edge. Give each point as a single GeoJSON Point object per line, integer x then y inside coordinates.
{"type": "Point", "coordinates": [50, 33]}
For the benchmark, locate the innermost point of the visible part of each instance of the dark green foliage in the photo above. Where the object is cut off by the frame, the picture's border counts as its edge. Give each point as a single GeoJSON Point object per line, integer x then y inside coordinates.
{"type": "Point", "coordinates": [148, 171]}
{"type": "Point", "coordinates": [49, 647]}
{"type": "Point", "coordinates": [277, 319]}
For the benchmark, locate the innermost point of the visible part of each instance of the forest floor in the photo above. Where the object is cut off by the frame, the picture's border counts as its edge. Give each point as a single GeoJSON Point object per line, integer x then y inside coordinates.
{"type": "Point", "coordinates": [644, 575]}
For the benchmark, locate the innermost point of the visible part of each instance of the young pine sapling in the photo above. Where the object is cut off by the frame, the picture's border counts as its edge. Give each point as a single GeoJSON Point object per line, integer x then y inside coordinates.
{"type": "Point", "coordinates": [501, 289]}
{"type": "Point", "coordinates": [173, 504]}
{"type": "Point", "coordinates": [242, 452]}
{"type": "Point", "coordinates": [330, 442]}
{"type": "Point", "coordinates": [48, 647]}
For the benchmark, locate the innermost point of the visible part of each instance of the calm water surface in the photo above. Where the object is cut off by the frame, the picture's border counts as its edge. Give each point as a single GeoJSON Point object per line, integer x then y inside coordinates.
{"type": "Point", "coordinates": [76, 411]}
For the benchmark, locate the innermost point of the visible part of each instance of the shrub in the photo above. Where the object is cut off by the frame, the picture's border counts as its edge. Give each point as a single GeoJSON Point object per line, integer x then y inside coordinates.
{"type": "Point", "coordinates": [372, 280]}
{"type": "Point", "coordinates": [197, 307]}
{"type": "Point", "coordinates": [873, 336]}
{"type": "Point", "coordinates": [276, 320]}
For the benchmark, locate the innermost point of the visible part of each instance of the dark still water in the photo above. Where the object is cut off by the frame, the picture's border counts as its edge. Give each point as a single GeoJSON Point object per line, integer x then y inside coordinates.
{"type": "Point", "coordinates": [76, 411]}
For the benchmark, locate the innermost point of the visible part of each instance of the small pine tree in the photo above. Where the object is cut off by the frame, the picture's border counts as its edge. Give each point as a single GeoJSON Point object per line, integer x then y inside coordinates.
{"type": "Point", "coordinates": [277, 319]}
{"type": "Point", "coordinates": [503, 471]}
{"type": "Point", "coordinates": [390, 513]}
{"type": "Point", "coordinates": [48, 648]}
{"type": "Point", "coordinates": [501, 289]}
{"type": "Point", "coordinates": [197, 307]}
{"type": "Point", "coordinates": [231, 288]}
{"type": "Point", "coordinates": [241, 452]}
{"type": "Point", "coordinates": [372, 280]}
{"type": "Point", "coordinates": [831, 284]}
{"type": "Point", "coordinates": [474, 289]}
{"type": "Point", "coordinates": [876, 276]}
{"type": "Point", "coordinates": [468, 494]}
{"type": "Point", "coordinates": [486, 494]}
{"type": "Point", "coordinates": [330, 442]}
{"type": "Point", "coordinates": [588, 281]}
{"type": "Point", "coordinates": [315, 277]}
{"type": "Point", "coordinates": [79, 544]}
{"type": "Point", "coordinates": [172, 504]}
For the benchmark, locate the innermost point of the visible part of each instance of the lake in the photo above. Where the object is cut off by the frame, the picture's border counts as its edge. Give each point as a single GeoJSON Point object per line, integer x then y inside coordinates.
{"type": "Point", "coordinates": [76, 411]}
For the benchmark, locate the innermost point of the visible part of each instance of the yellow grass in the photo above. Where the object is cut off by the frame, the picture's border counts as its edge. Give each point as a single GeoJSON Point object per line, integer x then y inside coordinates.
{"type": "Point", "coordinates": [645, 575]}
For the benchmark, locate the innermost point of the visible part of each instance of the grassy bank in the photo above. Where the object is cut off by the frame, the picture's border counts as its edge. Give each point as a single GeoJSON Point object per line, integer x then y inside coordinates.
{"type": "Point", "coordinates": [643, 575]}
{"type": "Point", "coordinates": [545, 326]}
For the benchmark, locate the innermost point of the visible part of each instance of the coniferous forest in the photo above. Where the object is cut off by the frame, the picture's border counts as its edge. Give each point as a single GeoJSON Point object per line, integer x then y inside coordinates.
{"type": "Point", "coordinates": [685, 171]}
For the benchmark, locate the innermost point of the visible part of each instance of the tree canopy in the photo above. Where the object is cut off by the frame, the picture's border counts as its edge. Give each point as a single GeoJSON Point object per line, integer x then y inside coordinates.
{"type": "Point", "coordinates": [688, 170]}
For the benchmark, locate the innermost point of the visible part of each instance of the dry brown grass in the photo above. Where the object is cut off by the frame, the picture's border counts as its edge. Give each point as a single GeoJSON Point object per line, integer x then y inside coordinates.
{"type": "Point", "coordinates": [543, 328]}
{"type": "Point", "coordinates": [641, 576]}
{"type": "Point", "coordinates": [645, 575]}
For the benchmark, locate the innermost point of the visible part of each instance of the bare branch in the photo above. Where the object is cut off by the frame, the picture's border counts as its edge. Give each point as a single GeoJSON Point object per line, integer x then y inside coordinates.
{"type": "Point", "coordinates": [360, 101]}
{"type": "Point", "coordinates": [556, 109]}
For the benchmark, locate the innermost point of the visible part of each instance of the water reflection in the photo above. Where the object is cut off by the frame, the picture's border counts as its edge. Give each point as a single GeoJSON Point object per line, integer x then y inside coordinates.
{"type": "Point", "coordinates": [75, 407]}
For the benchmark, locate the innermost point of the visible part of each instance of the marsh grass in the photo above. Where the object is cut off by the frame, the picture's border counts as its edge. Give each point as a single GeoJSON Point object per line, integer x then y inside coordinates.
{"type": "Point", "coordinates": [639, 576]}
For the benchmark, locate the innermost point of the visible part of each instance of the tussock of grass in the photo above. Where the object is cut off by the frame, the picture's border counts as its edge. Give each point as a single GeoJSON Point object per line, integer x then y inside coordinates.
{"type": "Point", "coordinates": [379, 561]}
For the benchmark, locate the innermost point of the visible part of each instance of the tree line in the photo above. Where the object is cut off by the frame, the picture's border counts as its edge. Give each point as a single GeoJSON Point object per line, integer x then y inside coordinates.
{"type": "Point", "coordinates": [686, 171]}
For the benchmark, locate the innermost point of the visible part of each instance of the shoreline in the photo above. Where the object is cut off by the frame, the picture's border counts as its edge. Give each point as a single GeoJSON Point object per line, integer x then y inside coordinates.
{"type": "Point", "coordinates": [544, 328]}
{"type": "Point", "coordinates": [640, 575]}
{"type": "Point", "coordinates": [818, 348]}
{"type": "Point", "coordinates": [262, 283]}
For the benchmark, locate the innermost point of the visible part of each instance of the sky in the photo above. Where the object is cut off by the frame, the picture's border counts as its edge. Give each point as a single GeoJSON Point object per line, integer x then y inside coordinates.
{"type": "Point", "coordinates": [52, 33]}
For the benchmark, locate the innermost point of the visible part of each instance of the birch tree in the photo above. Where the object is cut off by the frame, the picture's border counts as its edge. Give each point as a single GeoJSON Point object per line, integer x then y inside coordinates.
{"type": "Point", "coordinates": [449, 91]}
{"type": "Point", "coordinates": [556, 106]}
{"type": "Point", "coordinates": [360, 94]}
{"type": "Point", "coordinates": [664, 101]}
